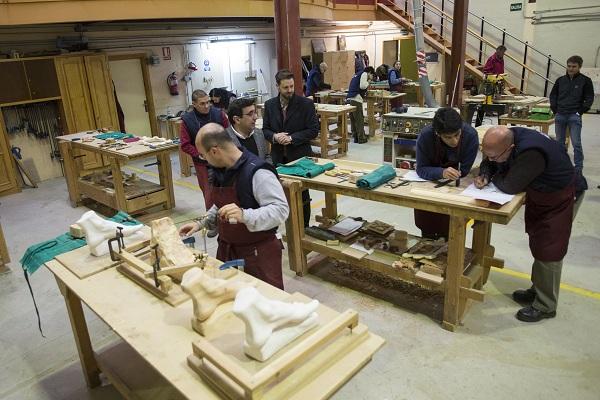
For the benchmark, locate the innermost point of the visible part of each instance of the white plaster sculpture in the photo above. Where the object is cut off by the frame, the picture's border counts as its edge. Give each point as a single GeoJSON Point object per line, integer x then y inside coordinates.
{"type": "Point", "coordinates": [172, 251]}
{"type": "Point", "coordinates": [208, 293]}
{"type": "Point", "coordinates": [98, 230]}
{"type": "Point", "coordinates": [272, 324]}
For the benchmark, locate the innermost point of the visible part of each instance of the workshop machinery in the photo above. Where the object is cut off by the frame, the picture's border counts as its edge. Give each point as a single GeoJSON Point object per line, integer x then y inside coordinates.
{"type": "Point", "coordinates": [400, 132]}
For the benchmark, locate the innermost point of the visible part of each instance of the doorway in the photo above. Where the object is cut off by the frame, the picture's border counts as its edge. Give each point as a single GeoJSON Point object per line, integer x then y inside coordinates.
{"type": "Point", "coordinates": [130, 76]}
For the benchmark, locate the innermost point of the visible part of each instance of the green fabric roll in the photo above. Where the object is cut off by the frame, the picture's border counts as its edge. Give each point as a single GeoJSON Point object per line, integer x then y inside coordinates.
{"type": "Point", "coordinates": [114, 135]}
{"type": "Point", "coordinates": [304, 167]}
{"type": "Point", "coordinates": [378, 177]}
{"type": "Point", "coordinates": [40, 253]}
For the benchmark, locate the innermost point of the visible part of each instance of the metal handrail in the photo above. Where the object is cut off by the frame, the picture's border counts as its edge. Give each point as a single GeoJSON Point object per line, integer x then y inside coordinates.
{"type": "Point", "coordinates": [504, 33]}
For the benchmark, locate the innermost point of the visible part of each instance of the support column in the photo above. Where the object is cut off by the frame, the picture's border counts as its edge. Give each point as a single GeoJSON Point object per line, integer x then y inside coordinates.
{"type": "Point", "coordinates": [459, 45]}
{"type": "Point", "coordinates": [287, 38]}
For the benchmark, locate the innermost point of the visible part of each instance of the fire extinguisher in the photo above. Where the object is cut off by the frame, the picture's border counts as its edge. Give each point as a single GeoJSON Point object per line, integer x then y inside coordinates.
{"type": "Point", "coordinates": [173, 84]}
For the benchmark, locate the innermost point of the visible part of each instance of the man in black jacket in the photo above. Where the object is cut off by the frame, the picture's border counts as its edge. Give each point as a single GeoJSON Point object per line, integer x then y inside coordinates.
{"type": "Point", "coordinates": [290, 123]}
{"type": "Point", "coordinates": [571, 96]}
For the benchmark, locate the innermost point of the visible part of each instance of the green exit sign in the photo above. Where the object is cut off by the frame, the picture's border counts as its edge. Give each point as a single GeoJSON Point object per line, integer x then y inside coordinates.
{"type": "Point", "coordinates": [516, 6]}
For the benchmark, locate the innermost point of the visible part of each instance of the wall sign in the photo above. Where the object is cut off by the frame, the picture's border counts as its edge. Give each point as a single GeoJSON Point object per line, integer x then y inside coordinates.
{"type": "Point", "coordinates": [166, 53]}
{"type": "Point", "coordinates": [516, 6]}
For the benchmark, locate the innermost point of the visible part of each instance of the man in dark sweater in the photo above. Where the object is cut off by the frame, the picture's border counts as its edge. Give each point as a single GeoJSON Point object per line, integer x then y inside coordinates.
{"type": "Point", "coordinates": [571, 96]}
{"type": "Point", "coordinates": [524, 160]}
{"type": "Point", "coordinates": [445, 149]}
{"type": "Point", "coordinates": [242, 116]}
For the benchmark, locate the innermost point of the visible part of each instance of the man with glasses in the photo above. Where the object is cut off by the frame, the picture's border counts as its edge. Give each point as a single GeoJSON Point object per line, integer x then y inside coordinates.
{"type": "Point", "coordinates": [249, 204]}
{"type": "Point", "coordinates": [446, 149]}
{"type": "Point", "coordinates": [524, 160]}
{"type": "Point", "coordinates": [201, 114]}
{"type": "Point", "coordinates": [242, 116]}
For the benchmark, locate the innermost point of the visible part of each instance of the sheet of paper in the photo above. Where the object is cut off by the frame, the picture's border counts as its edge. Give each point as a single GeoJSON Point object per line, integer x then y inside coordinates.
{"type": "Point", "coordinates": [489, 193]}
{"type": "Point", "coordinates": [362, 248]}
{"type": "Point", "coordinates": [413, 177]}
{"type": "Point", "coordinates": [346, 226]}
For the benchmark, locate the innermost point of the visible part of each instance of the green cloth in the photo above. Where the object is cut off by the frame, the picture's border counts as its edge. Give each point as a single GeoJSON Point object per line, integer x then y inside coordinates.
{"type": "Point", "coordinates": [378, 177]}
{"type": "Point", "coordinates": [114, 135]}
{"type": "Point", "coordinates": [304, 167]}
{"type": "Point", "coordinates": [38, 254]}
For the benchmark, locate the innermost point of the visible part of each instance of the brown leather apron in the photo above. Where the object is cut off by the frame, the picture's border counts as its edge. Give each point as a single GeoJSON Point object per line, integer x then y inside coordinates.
{"type": "Point", "coordinates": [260, 250]}
{"type": "Point", "coordinates": [548, 220]}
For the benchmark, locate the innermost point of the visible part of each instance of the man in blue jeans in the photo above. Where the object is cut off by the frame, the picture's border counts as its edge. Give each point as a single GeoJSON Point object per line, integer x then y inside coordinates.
{"type": "Point", "coordinates": [571, 96]}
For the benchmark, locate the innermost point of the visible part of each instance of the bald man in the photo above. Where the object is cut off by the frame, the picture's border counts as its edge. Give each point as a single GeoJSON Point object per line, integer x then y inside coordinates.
{"type": "Point", "coordinates": [249, 202]}
{"type": "Point", "coordinates": [524, 160]}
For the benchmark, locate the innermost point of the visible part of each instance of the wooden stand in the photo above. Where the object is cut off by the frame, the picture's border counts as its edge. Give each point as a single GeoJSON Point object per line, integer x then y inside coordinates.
{"type": "Point", "coordinates": [293, 371]}
{"type": "Point", "coordinates": [131, 199]}
{"type": "Point", "coordinates": [339, 114]}
{"type": "Point", "coordinates": [4, 256]}
{"type": "Point", "coordinates": [543, 124]}
{"type": "Point", "coordinates": [378, 103]}
{"type": "Point", "coordinates": [463, 277]}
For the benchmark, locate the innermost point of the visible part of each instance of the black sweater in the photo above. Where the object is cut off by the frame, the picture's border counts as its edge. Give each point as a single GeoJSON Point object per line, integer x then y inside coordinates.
{"type": "Point", "coordinates": [572, 95]}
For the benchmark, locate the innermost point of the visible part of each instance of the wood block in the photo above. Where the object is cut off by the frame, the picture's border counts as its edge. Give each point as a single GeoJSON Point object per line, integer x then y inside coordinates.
{"type": "Point", "coordinates": [438, 280]}
{"type": "Point", "coordinates": [354, 253]}
{"type": "Point", "coordinates": [430, 269]}
{"type": "Point", "coordinates": [76, 231]}
{"type": "Point", "coordinates": [333, 243]}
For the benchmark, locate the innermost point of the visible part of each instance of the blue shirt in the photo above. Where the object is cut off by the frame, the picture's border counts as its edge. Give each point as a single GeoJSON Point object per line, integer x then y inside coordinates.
{"type": "Point", "coordinates": [433, 153]}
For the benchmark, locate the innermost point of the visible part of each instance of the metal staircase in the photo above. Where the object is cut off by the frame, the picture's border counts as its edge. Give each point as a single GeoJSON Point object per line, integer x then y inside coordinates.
{"type": "Point", "coordinates": [398, 12]}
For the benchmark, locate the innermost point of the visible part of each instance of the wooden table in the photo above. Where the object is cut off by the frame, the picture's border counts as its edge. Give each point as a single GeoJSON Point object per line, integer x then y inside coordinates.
{"type": "Point", "coordinates": [543, 124]}
{"type": "Point", "coordinates": [460, 284]}
{"type": "Point", "coordinates": [130, 198]}
{"type": "Point", "coordinates": [499, 106]}
{"type": "Point", "coordinates": [379, 103]}
{"type": "Point", "coordinates": [416, 87]}
{"type": "Point", "coordinates": [157, 339]}
{"type": "Point", "coordinates": [339, 113]}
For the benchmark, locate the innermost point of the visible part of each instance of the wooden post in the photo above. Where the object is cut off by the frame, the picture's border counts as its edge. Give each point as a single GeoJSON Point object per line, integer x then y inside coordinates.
{"type": "Point", "coordinates": [166, 177]}
{"type": "Point", "coordinates": [91, 371]}
{"type": "Point", "coordinates": [324, 136]}
{"type": "Point", "coordinates": [294, 227]}
{"type": "Point", "coordinates": [115, 167]}
{"type": "Point", "coordinates": [71, 172]}
{"type": "Point", "coordinates": [482, 232]}
{"type": "Point", "coordinates": [459, 43]}
{"type": "Point", "coordinates": [456, 259]}
{"type": "Point", "coordinates": [287, 38]}
{"type": "Point", "coordinates": [4, 256]}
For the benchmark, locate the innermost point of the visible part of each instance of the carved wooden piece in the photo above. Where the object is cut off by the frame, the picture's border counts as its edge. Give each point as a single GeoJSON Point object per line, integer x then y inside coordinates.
{"type": "Point", "coordinates": [272, 324]}
{"type": "Point", "coordinates": [172, 251]}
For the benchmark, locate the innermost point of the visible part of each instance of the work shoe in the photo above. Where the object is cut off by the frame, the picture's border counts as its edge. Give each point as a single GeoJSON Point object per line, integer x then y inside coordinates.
{"type": "Point", "coordinates": [531, 314]}
{"type": "Point", "coordinates": [524, 296]}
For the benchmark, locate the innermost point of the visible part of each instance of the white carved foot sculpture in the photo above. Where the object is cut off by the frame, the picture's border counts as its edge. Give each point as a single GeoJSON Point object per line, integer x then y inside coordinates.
{"type": "Point", "coordinates": [98, 230]}
{"type": "Point", "coordinates": [271, 324]}
{"type": "Point", "coordinates": [208, 293]}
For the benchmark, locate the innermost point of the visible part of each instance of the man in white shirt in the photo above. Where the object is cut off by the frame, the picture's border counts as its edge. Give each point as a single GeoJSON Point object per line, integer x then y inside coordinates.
{"type": "Point", "coordinates": [249, 202]}
{"type": "Point", "coordinates": [357, 92]}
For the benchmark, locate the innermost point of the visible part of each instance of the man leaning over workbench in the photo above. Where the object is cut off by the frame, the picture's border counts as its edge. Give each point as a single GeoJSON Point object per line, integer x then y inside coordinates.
{"type": "Point", "coordinates": [446, 149]}
{"type": "Point", "coordinates": [524, 160]}
{"type": "Point", "coordinates": [249, 202]}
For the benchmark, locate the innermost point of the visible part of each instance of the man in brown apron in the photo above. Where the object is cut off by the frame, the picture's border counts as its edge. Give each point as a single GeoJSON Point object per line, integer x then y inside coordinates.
{"type": "Point", "coordinates": [249, 202]}
{"type": "Point", "coordinates": [521, 159]}
{"type": "Point", "coordinates": [446, 149]}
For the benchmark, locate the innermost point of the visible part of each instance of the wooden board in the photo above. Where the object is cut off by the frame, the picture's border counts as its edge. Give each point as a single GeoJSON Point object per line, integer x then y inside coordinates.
{"type": "Point", "coordinates": [81, 263]}
{"type": "Point", "coordinates": [340, 68]}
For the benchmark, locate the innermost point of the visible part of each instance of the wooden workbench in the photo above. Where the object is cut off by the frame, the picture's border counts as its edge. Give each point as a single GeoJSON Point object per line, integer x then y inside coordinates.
{"type": "Point", "coordinates": [416, 87]}
{"type": "Point", "coordinates": [339, 113]}
{"type": "Point", "coordinates": [459, 282]}
{"type": "Point", "coordinates": [499, 106]}
{"type": "Point", "coordinates": [131, 198]}
{"type": "Point", "coordinates": [543, 124]}
{"type": "Point", "coordinates": [158, 338]}
{"type": "Point", "coordinates": [379, 103]}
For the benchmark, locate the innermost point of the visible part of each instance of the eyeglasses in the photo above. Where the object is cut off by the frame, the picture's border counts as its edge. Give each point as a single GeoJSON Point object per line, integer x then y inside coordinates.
{"type": "Point", "coordinates": [250, 114]}
{"type": "Point", "coordinates": [494, 158]}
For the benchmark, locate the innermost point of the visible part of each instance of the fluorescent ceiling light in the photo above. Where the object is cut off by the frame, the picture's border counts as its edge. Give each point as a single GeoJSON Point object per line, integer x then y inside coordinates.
{"type": "Point", "coordinates": [239, 41]}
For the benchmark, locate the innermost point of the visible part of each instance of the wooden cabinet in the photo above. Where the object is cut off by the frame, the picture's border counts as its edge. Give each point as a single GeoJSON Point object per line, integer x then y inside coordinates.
{"type": "Point", "coordinates": [8, 177]}
{"type": "Point", "coordinates": [87, 97]}
{"type": "Point", "coordinates": [26, 80]}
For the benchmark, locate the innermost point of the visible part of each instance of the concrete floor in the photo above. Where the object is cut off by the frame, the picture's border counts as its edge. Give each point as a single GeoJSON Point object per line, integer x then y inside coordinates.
{"type": "Point", "coordinates": [493, 356]}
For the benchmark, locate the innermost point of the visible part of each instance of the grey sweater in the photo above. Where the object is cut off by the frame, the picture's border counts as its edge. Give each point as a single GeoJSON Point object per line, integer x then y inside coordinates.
{"type": "Point", "coordinates": [259, 138]}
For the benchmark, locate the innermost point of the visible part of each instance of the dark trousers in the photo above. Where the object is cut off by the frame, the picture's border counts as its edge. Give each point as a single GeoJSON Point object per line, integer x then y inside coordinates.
{"type": "Point", "coordinates": [357, 122]}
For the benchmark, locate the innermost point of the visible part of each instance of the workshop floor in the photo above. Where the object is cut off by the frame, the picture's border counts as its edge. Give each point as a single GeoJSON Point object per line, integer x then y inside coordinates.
{"type": "Point", "coordinates": [493, 356]}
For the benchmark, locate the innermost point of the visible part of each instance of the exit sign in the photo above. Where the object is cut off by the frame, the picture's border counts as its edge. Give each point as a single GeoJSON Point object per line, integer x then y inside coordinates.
{"type": "Point", "coordinates": [516, 6]}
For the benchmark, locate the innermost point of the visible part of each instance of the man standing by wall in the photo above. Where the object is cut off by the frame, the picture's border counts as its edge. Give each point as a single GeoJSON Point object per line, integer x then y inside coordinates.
{"type": "Point", "coordinates": [202, 114]}
{"type": "Point", "coordinates": [357, 92]}
{"type": "Point", "coordinates": [249, 203]}
{"type": "Point", "coordinates": [495, 64]}
{"type": "Point", "coordinates": [524, 160]}
{"type": "Point", "coordinates": [571, 96]}
{"type": "Point", "coordinates": [243, 132]}
{"type": "Point", "coordinates": [290, 123]}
